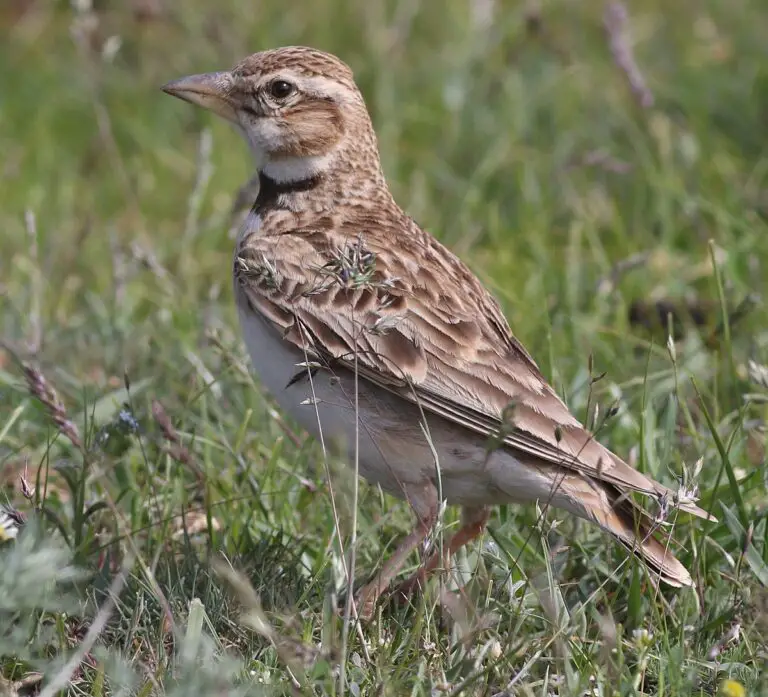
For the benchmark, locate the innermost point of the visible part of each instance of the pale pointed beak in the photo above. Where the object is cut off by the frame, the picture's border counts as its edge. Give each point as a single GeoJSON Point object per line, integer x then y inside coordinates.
{"type": "Point", "coordinates": [212, 91]}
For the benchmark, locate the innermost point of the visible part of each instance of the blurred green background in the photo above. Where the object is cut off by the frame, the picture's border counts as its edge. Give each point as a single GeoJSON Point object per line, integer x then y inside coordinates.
{"type": "Point", "coordinates": [602, 213]}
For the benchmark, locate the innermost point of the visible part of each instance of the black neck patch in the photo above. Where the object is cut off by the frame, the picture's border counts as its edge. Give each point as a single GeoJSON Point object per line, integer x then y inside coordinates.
{"type": "Point", "coordinates": [270, 190]}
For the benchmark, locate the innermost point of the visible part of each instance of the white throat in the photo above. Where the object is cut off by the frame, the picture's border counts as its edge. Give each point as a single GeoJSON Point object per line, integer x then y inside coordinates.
{"type": "Point", "coordinates": [294, 169]}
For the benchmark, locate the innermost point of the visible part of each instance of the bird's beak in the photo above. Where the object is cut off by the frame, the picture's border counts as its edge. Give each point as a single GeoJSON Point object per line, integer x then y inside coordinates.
{"type": "Point", "coordinates": [212, 91]}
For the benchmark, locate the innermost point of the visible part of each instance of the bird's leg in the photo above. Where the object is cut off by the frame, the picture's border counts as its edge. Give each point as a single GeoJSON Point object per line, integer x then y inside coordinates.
{"type": "Point", "coordinates": [425, 506]}
{"type": "Point", "coordinates": [473, 521]}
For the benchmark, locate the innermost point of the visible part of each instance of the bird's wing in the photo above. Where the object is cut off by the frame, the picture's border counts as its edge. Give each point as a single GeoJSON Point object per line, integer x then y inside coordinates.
{"type": "Point", "coordinates": [413, 319]}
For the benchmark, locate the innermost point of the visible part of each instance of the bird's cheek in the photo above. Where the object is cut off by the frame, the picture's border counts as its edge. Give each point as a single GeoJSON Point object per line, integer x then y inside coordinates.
{"type": "Point", "coordinates": [314, 136]}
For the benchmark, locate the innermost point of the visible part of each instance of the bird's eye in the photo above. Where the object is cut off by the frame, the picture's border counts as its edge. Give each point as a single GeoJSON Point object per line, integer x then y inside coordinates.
{"type": "Point", "coordinates": [280, 89]}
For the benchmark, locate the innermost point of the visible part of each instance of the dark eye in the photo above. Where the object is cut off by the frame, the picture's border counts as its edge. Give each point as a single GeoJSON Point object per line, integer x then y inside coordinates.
{"type": "Point", "coordinates": [280, 89]}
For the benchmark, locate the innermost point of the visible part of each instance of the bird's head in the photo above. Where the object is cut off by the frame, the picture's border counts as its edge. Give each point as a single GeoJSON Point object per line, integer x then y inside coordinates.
{"type": "Point", "coordinates": [298, 108]}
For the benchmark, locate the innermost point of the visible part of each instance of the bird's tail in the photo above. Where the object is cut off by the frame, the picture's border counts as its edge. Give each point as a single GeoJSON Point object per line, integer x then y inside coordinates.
{"type": "Point", "coordinates": [616, 513]}
{"type": "Point", "coordinates": [634, 528]}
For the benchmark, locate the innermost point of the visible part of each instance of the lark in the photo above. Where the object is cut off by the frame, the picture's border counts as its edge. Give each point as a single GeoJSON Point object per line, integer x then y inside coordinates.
{"type": "Point", "coordinates": [371, 333]}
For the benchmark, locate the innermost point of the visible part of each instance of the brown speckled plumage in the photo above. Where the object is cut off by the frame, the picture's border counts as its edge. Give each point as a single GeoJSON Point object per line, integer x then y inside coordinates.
{"type": "Point", "coordinates": [329, 271]}
{"type": "Point", "coordinates": [301, 59]}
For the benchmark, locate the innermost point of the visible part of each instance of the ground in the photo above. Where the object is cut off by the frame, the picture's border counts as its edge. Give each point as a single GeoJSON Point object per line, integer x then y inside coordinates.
{"type": "Point", "coordinates": [601, 167]}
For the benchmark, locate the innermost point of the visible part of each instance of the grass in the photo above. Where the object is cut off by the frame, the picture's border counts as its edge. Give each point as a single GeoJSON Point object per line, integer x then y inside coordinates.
{"type": "Point", "coordinates": [155, 473]}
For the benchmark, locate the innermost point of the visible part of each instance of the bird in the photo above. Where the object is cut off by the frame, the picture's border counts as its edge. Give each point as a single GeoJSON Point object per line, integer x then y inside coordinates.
{"type": "Point", "coordinates": [371, 333]}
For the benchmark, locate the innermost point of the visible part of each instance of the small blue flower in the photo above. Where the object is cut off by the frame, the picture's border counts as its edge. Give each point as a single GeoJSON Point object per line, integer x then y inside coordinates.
{"type": "Point", "coordinates": [127, 421]}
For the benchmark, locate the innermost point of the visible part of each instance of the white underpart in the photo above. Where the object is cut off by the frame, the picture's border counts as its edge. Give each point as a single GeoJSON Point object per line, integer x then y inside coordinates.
{"type": "Point", "coordinates": [294, 169]}
{"type": "Point", "coordinates": [251, 226]}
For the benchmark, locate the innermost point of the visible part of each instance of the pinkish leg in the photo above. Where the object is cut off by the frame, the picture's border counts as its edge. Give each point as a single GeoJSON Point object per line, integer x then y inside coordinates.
{"type": "Point", "coordinates": [473, 524]}
{"type": "Point", "coordinates": [424, 503]}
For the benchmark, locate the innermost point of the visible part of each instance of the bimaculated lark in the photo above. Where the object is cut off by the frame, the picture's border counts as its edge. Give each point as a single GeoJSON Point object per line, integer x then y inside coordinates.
{"type": "Point", "coordinates": [367, 330]}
